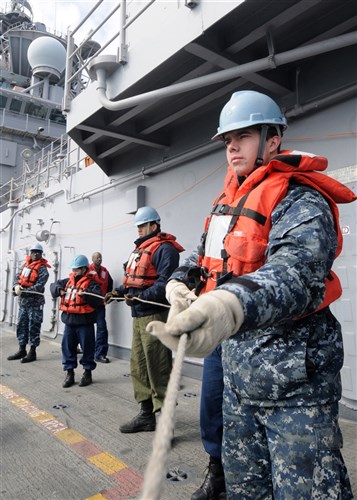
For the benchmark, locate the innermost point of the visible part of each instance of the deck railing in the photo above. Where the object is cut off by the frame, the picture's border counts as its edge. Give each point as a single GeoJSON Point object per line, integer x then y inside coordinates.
{"type": "Point", "coordinates": [77, 74]}
{"type": "Point", "coordinates": [48, 167]}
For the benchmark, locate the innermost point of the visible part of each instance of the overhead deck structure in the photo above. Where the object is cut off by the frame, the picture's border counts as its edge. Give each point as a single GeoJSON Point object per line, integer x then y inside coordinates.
{"type": "Point", "coordinates": [166, 88]}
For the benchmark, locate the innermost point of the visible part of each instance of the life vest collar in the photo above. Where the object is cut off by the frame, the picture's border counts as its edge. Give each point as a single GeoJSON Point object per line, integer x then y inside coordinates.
{"type": "Point", "coordinates": [250, 206]}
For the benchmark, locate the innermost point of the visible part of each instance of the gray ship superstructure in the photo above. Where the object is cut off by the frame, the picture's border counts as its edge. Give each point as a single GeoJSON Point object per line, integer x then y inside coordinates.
{"type": "Point", "coordinates": [32, 64]}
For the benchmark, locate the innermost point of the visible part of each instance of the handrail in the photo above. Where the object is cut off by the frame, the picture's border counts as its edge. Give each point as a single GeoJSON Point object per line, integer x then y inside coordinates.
{"type": "Point", "coordinates": [87, 16]}
{"type": "Point", "coordinates": [23, 26]}
{"type": "Point", "coordinates": [79, 71]}
{"type": "Point", "coordinates": [90, 35]}
{"type": "Point", "coordinates": [51, 165]}
{"type": "Point", "coordinates": [124, 24]}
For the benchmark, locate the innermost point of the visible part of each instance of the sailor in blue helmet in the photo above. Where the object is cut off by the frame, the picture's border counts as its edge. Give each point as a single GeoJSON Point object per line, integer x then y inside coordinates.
{"type": "Point", "coordinates": [264, 284]}
{"type": "Point", "coordinates": [80, 294]}
{"type": "Point", "coordinates": [154, 258]}
{"type": "Point", "coordinates": [30, 287]}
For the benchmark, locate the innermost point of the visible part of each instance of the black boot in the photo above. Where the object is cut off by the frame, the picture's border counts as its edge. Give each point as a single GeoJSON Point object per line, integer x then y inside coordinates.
{"type": "Point", "coordinates": [31, 355]}
{"type": "Point", "coordinates": [21, 353]}
{"type": "Point", "coordinates": [69, 380]}
{"type": "Point", "coordinates": [86, 378]}
{"type": "Point", "coordinates": [145, 421]}
{"type": "Point", "coordinates": [213, 487]}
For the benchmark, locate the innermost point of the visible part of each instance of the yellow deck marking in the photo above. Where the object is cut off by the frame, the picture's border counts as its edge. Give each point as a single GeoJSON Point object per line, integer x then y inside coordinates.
{"type": "Point", "coordinates": [70, 436]}
{"type": "Point", "coordinates": [42, 416]}
{"type": "Point", "coordinates": [107, 463]}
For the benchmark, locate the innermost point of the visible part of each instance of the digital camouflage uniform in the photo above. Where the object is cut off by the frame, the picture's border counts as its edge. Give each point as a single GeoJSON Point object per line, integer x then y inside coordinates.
{"type": "Point", "coordinates": [30, 316]}
{"type": "Point", "coordinates": [282, 375]}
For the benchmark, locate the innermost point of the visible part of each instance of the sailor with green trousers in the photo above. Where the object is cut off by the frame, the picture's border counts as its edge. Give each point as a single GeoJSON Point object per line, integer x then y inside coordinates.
{"type": "Point", "coordinates": [149, 266]}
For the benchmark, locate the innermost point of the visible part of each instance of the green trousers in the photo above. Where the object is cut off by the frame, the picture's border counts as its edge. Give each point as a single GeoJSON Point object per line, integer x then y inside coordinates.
{"type": "Point", "coordinates": [150, 362]}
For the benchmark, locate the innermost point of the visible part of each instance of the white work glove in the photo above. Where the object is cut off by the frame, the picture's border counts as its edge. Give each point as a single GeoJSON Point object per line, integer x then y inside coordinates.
{"type": "Point", "coordinates": [178, 291]}
{"type": "Point", "coordinates": [18, 289]}
{"type": "Point", "coordinates": [212, 318]}
{"type": "Point", "coordinates": [179, 296]}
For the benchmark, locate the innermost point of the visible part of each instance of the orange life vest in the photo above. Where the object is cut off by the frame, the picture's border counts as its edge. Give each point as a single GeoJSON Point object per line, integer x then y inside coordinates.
{"type": "Point", "coordinates": [140, 271]}
{"type": "Point", "coordinates": [102, 278]}
{"type": "Point", "coordinates": [249, 206]}
{"type": "Point", "coordinates": [71, 302]}
{"type": "Point", "coordinates": [29, 272]}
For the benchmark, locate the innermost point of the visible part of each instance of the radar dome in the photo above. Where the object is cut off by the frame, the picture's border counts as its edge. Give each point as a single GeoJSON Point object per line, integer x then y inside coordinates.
{"type": "Point", "coordinates": [47, 57]}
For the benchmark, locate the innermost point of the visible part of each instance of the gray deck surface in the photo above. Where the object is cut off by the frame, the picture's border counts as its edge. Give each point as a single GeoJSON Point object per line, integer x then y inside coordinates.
{"type": "Point", "coordinates": [36, 465]}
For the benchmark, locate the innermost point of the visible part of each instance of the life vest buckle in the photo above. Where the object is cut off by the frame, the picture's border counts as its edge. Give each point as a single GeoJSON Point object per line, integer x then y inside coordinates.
{"type": "Point", "coordinates": [214, 275]}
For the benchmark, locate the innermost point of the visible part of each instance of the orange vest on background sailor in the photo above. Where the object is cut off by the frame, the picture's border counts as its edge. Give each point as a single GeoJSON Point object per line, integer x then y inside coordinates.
{"type": "Point", "coordinates": [247, 208]}
{"type": "Point", "coordinates": [29, 272]}
{"type": "Point", "coordinates": [102, 278]}
{"type": "Point", "coordinates": [140, 271]}
{"type": "Point", "coordinates": [71, 302]}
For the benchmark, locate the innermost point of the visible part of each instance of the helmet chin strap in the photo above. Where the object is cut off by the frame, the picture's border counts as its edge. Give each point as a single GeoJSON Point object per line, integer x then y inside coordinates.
{"type": "Point", "coordinates": [262, 141]}
{"type": "Point", "coordinates": [261, 148]}
{"type": "Point", "coordinates": [260, 157]}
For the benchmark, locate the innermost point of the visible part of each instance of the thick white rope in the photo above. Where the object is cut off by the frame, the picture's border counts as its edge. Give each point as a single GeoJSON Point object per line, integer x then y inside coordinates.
{"type": "Point", "coordinates": [154, 473]}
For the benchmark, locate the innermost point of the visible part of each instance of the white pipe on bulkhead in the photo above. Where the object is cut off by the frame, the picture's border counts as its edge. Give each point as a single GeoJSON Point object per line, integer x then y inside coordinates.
{"type": "Point", "coordinates": [272, 61]}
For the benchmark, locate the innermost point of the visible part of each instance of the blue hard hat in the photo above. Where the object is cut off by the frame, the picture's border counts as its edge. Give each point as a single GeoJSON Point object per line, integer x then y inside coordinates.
{"type": "Point", "coordinates": [36, 247]}
{"type": "Point", "coordinates": [248, 108]}
{"type": "Point", "coordinates": [146, 214]}
{"type": "Point", "coordinates": [79, 261]}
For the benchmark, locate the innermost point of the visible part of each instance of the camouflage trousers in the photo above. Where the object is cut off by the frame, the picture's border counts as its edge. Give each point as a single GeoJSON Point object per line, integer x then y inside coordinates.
{"type": "Point", "coordinates": [283, 453]}
{"type": "Point", "coordinates": [29, 323]}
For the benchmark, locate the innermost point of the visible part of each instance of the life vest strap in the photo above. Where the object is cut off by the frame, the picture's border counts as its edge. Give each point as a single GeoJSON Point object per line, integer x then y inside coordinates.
{"type": "Point", "coordinates": [141, 276]}
{"type": "Point", "coordinates": [237, 211]}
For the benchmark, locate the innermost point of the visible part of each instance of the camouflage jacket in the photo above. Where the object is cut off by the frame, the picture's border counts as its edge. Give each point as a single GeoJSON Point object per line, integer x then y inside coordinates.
{"type": "Point", "coordinates": [276, 359]}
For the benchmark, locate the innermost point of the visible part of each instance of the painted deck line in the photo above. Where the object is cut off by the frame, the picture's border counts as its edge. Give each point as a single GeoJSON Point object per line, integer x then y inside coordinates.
{"type": "Point", "coordinates": [129, 481]}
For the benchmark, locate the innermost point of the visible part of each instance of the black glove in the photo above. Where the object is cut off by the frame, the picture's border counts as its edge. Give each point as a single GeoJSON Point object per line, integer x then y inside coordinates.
{"type": "Point", "coordinates": [129, 299]}
{"type": "Point", "coordinates": [109, 296]}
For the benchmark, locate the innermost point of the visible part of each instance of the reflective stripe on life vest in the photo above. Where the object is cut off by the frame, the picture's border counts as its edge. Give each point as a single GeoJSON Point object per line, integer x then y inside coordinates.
{"type": "Point", "coordinates": [72, 302]}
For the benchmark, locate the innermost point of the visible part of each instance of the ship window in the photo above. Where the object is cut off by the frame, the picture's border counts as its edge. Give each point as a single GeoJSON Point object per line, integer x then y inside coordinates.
{"type": "Point", "coordinates": [57, 116]}
{"type": "Point", "coordinates": [5, 85]}
{"type": "Point", "coordinates": [3, 100]}
{"type": "Point", "coordinates": [34, 110]}
{"type": "Point", "coordinates": [15, 105]}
